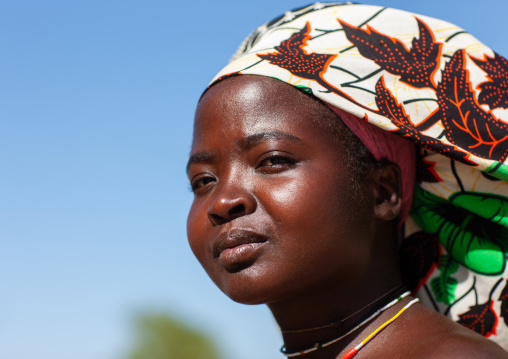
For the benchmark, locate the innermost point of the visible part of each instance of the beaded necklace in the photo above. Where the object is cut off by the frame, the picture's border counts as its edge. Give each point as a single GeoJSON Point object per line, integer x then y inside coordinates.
{"type": "Point", "coordinates": [337, 324]}
{"type": "Point", "coordinates": [353, 351]}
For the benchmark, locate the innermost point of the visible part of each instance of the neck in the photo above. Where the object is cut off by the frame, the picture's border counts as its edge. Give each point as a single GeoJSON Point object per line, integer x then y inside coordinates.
{"type": "Point", "coordinates": [349, 299]}
{"type": "Point", "coordinates": [347, 304]}
{"type": "Point", "coordinates": [303, 324]}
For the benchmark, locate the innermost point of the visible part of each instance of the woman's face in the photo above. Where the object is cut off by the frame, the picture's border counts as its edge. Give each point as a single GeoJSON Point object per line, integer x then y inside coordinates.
{"type": "Point", "coordinates": [274, 213]}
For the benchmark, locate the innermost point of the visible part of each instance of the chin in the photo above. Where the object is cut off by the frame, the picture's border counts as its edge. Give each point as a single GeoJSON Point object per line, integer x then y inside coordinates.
{"type": "Point", "coordinates": [246, 287]}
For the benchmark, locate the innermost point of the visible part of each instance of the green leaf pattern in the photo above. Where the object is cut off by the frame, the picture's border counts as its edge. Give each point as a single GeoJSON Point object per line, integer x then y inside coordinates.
{"type": "Point", "coordinates": [498, 170]}
{"type": "Point", "coordinates": [469, 225]}
{"type": "Point", "coordinates": [444, 285]}
{"type": "Point", "coordinates": [489, 206]}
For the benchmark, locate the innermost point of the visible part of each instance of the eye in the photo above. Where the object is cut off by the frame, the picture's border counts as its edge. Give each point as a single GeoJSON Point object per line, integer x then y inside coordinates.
{"type": "Point", "coordinates": [201, 182]}
{"type": "Point", "coordinates": [275, 163]}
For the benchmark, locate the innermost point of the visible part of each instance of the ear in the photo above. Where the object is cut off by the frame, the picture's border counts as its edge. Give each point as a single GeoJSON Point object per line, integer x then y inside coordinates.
{"type": "Point", "coordinates": [388, 192]}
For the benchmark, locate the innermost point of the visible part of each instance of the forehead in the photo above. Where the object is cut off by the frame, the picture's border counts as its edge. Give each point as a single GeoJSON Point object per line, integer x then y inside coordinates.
{"type": "Point", "coordinates": [251, 104]}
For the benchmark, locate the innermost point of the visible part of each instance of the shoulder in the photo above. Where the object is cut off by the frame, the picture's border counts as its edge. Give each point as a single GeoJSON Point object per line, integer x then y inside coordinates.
{"type": "Point", "coordinates": [439, 338]}
{"type": "Point", "coordinates": [458, 345]}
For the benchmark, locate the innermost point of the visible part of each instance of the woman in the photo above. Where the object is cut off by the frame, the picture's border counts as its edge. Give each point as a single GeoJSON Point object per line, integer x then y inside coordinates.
{"type": "Point", "coordinates": [302, 205]}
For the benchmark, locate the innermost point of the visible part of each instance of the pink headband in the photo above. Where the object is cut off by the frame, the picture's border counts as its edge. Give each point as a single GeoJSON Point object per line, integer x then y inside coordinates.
{"type": "Point", "coordinates": [386, 146]}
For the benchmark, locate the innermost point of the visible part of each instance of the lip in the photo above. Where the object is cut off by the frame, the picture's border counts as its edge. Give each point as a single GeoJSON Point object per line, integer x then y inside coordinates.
{"type": "Point", "coordinates": [237, 249]}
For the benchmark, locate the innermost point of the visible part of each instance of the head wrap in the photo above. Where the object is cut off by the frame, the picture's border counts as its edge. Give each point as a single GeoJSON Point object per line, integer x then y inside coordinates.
{"type": "Point", "coordinates": [384, 145]}
{"type": "Point", "coordinates": [431, 83]}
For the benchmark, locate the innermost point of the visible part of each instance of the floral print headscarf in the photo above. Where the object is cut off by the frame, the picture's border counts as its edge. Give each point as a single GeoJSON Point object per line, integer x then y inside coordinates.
{"type": "Point", "coordinates": [432, 83]}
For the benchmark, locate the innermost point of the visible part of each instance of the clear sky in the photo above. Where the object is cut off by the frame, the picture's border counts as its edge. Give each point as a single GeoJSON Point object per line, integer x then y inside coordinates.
{"type": "Point", "coordinates": [96, 107]}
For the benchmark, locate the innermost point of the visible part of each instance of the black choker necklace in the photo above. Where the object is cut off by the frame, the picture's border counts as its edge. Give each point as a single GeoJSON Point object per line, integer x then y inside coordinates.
{"type": "Point", "coordinates": [340, 322]}
{"type": "Point", "coordinates": [353, 351]}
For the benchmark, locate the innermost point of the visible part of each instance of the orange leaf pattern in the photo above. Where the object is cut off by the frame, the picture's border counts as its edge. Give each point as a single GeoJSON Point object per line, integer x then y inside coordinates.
{"type": "Point", "coordinates": [419, 255]}
{"type": "Point", "coordinates": [495, 92]}
{"type": "Point", "coordinates": [503, 297]}
{"type": "Point", "coordinates": [480, 318]}
{"type": "Point", "coordinates": [466, 123]}
{"type": "Point", "coordinates": [416, 67]}
{"type": "Point", "coordinates": [390, 108]}
{"type": "Point", "coordinates": [292, 56]}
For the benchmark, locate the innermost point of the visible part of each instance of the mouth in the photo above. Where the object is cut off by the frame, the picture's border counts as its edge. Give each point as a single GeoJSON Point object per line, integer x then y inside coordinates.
{"type": "Point", "coordinates": [238, 249]}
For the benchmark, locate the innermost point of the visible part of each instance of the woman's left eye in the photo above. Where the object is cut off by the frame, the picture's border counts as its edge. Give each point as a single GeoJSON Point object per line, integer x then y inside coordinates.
{"type": "Point", "coordinates": [274, 162]}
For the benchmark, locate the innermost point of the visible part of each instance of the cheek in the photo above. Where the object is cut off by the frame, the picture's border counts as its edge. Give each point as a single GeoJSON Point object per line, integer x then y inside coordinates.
{"type": "Point", "coordinates": [282, 194]}
{"type": "Point", "coordinates": [196, 231]}
{"type": "Point", "coordinates": [308, 197]}
{"type": "Point", "coordinates": [319, 237]}
{"type": "Point", "coordinates": [317, 208]}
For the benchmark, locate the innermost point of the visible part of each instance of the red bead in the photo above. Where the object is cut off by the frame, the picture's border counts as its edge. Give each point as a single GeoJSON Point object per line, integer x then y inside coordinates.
{"type": "Point", "coordinates": [350, 354]}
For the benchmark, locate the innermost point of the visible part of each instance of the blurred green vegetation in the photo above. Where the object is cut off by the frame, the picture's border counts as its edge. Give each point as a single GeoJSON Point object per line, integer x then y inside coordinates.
{"type": "Point", "coordinates": [162, 337]}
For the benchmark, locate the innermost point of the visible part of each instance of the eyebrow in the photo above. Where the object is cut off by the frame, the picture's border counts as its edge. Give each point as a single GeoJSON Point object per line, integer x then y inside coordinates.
{"type": "Point", "coordinates": [200, 157]}
{"type": "Point", "coordinates": [257, 138]}
{"type": "Point", "coordinates": [244, 144]}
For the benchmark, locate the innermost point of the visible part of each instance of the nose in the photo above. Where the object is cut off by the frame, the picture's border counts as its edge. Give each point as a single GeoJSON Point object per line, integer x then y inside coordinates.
{"type": "Point", "coordinates": [229, 204]}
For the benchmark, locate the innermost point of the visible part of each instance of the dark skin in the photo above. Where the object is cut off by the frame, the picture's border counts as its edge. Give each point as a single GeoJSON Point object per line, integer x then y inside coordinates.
{"type": "Point", "coordinates": [277, 219]}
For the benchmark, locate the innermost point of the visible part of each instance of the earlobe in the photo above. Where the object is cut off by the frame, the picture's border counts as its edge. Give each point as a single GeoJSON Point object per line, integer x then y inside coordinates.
{"type": "Point", "coordinates": [388, 192]}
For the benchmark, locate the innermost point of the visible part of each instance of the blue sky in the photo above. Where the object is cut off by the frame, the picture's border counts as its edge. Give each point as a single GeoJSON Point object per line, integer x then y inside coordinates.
{"type": "Point", "coordinates": [96, 108]}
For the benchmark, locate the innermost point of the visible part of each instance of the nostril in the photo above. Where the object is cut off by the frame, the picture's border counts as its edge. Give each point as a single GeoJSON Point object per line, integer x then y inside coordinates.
{"type": "Point", "coordinates": [226, 208]}
{"type": "Point", "coordinates": [238, 209]}
{"type": "Point", "coordinates": [217, 219]}
{"type": "Point", "coordinates": [235, 212]}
